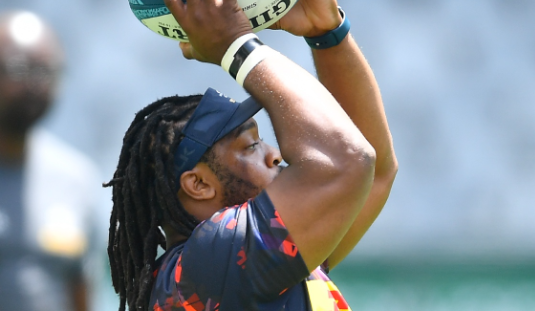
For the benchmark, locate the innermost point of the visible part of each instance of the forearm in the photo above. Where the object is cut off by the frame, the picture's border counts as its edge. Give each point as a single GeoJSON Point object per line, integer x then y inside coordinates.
{"type": "Point", "coordinates": [344, 71]}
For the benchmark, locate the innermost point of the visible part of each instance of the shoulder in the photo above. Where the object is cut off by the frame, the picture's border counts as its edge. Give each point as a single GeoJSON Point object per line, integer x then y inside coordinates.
{"type": "Point", "coordinates": [233, 223]}
{"type": "Point", "coordinates": [60, 178]}
{"type": "Point", "coordinates": [250, 245]}
{"type": "Point", "coordinates": [61, 159]}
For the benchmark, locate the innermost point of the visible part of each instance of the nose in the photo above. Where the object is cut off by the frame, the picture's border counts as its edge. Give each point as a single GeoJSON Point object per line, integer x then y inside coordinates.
{"type": "Point", "coordinates": [273, 156]}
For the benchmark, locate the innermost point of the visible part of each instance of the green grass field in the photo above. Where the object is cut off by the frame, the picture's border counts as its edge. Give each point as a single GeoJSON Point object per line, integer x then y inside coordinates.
{"type": "Point", "coordinates": [434, 286]}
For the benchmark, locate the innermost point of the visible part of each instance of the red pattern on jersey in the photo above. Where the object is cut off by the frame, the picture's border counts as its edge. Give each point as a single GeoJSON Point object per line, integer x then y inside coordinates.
{"type": "Point", "coordinates": [157, 307]}
{"type": "Point", "coordinates": [341, 303]}
{"type": "Point", "coordinates": [193, 304]}
{"type": "Point", "coordinates": [279, 219]}
{"type": "Point", "coordinates": [289, 248]}
{"type": "Point", "coordinates": [178, 269]}
{"type": "Point", "coordinates": [243, 258]}
{"type": "Point", "coordinates": [231, 224]}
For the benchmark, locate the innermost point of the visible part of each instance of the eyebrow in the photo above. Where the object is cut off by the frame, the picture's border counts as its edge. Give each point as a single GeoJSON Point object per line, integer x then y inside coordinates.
{"type": "Point", "coordinates": [244, 127]}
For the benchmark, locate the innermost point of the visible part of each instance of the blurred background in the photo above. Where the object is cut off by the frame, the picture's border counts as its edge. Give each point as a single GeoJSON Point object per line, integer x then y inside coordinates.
{"type": "Point", "coordinates": [458, 83]}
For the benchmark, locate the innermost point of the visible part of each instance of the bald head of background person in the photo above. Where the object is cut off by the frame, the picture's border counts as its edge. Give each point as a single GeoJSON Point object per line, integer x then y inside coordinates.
{"type": "Point", "coordinates": [31, 58]}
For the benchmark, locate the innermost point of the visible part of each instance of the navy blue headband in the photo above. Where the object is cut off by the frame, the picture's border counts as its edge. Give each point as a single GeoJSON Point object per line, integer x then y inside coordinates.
{"type": "Point", "coordinates": [215, 116]}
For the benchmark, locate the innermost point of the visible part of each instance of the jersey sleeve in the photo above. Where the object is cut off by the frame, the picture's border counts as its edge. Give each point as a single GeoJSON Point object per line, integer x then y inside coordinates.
{"type": "Point", "coordinates": [245, 250]}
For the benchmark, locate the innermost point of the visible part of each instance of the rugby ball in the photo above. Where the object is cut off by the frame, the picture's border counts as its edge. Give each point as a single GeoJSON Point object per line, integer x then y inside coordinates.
{"type": "Point", "coordinates": [155, 15]}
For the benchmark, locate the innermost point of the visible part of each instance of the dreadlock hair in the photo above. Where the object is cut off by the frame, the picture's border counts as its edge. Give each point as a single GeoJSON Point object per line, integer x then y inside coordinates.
{"type": "Point", "coordinates": [144, 193]}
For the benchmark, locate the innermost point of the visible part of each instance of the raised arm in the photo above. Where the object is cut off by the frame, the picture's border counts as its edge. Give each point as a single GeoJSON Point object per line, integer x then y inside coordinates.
{"type": "Point", "coordinates": [344, 71]}
{"type": "Point", "coordinates": [331, 164]}
{"type": "Point", "coordinates": [346, 74]}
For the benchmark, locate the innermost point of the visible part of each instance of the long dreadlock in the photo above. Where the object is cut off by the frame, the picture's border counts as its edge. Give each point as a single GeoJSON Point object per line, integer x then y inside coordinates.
{"type": "Point", "coordinates": [144, 192]}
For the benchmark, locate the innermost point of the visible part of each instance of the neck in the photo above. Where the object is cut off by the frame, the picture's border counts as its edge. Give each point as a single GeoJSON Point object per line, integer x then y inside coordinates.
{"type": "Point", "coordinates": [200, 209]}
{"type": "Point", "coordinates": [172, 237]}
{"type": "Point", "coordinates": [12, 147]}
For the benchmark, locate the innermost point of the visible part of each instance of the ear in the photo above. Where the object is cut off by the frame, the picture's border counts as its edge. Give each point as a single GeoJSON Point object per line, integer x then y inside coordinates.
{"type": "Point", "coordinates": [200, 183]}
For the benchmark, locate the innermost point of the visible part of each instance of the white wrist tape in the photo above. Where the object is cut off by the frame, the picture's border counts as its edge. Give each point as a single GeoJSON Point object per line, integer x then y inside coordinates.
{"type": "Point", "coordinates": [228, 58]}
{"type": "Point", "coordinates": [255, 58]}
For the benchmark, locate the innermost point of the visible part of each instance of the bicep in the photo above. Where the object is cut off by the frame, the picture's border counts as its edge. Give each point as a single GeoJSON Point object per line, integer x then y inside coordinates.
{"type": "Point", "coordinates": [317, 213]}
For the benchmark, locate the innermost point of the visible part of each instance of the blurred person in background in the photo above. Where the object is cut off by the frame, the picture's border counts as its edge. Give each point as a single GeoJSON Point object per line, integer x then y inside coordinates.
{"type": "Point", "coordinates": [47, 188]}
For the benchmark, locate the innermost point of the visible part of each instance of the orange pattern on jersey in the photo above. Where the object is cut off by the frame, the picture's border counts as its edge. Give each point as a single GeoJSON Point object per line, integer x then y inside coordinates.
{"type": "Point", "coordinates": [243, 258]}
{"type": "Point", "coordinates": [171, 303]}
{"type": "Point", "coordinates": [232, 224]}
{"type": "Point", "coordinates": [341, 303]}
{"type": "Point", "coordinates": [193, 304]}
{"type": "Point", "coordinates": [279, 219]}
{"type": "Point", "coordinates": [324, 295]}
{"type": "Point", "coordinates": [289, 248]}
{"type": "Point", "coordinates": [157, 307]}
{"type": "Point", "coordinates": [217, 218]}
{"type": "Point", "coordinates": [337, 295]}
{"type": "Point", "coordinates": [178, 269]}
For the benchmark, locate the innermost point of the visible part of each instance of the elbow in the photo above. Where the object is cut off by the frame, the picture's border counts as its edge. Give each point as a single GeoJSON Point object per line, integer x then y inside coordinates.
{"type": "Point", "coordinates": [386, 169]}
{"type": "Point", "coordinates": [366, 162]}
{"type": "Point", "coordinates": [358, 165]}
{"type": "Point", "coordinates": [393, 169]}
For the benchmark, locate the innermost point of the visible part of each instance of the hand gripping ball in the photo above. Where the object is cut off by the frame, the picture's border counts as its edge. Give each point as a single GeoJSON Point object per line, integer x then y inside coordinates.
{"type": "Point", "coordinates": [155, 15]}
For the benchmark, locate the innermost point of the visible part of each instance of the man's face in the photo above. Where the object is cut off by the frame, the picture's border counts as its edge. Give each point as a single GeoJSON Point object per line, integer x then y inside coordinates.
{"type": "Point", "coordinates": [244, 164]}
{"type": "Point", "coordinates": [28, 77]}
{"type": "Point", "coordinates": [22, 101]}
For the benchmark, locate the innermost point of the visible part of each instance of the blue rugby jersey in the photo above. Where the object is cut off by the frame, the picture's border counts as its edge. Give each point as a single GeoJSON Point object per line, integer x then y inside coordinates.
{"type": "Point", "coordinates": [241, 259]}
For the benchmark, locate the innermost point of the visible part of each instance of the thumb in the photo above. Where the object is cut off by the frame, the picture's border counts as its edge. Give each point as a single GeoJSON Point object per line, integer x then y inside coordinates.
{"type": "Point", "coordinates": [187, 50]}
{"type": "Point", "coordinates": [190, 53]}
